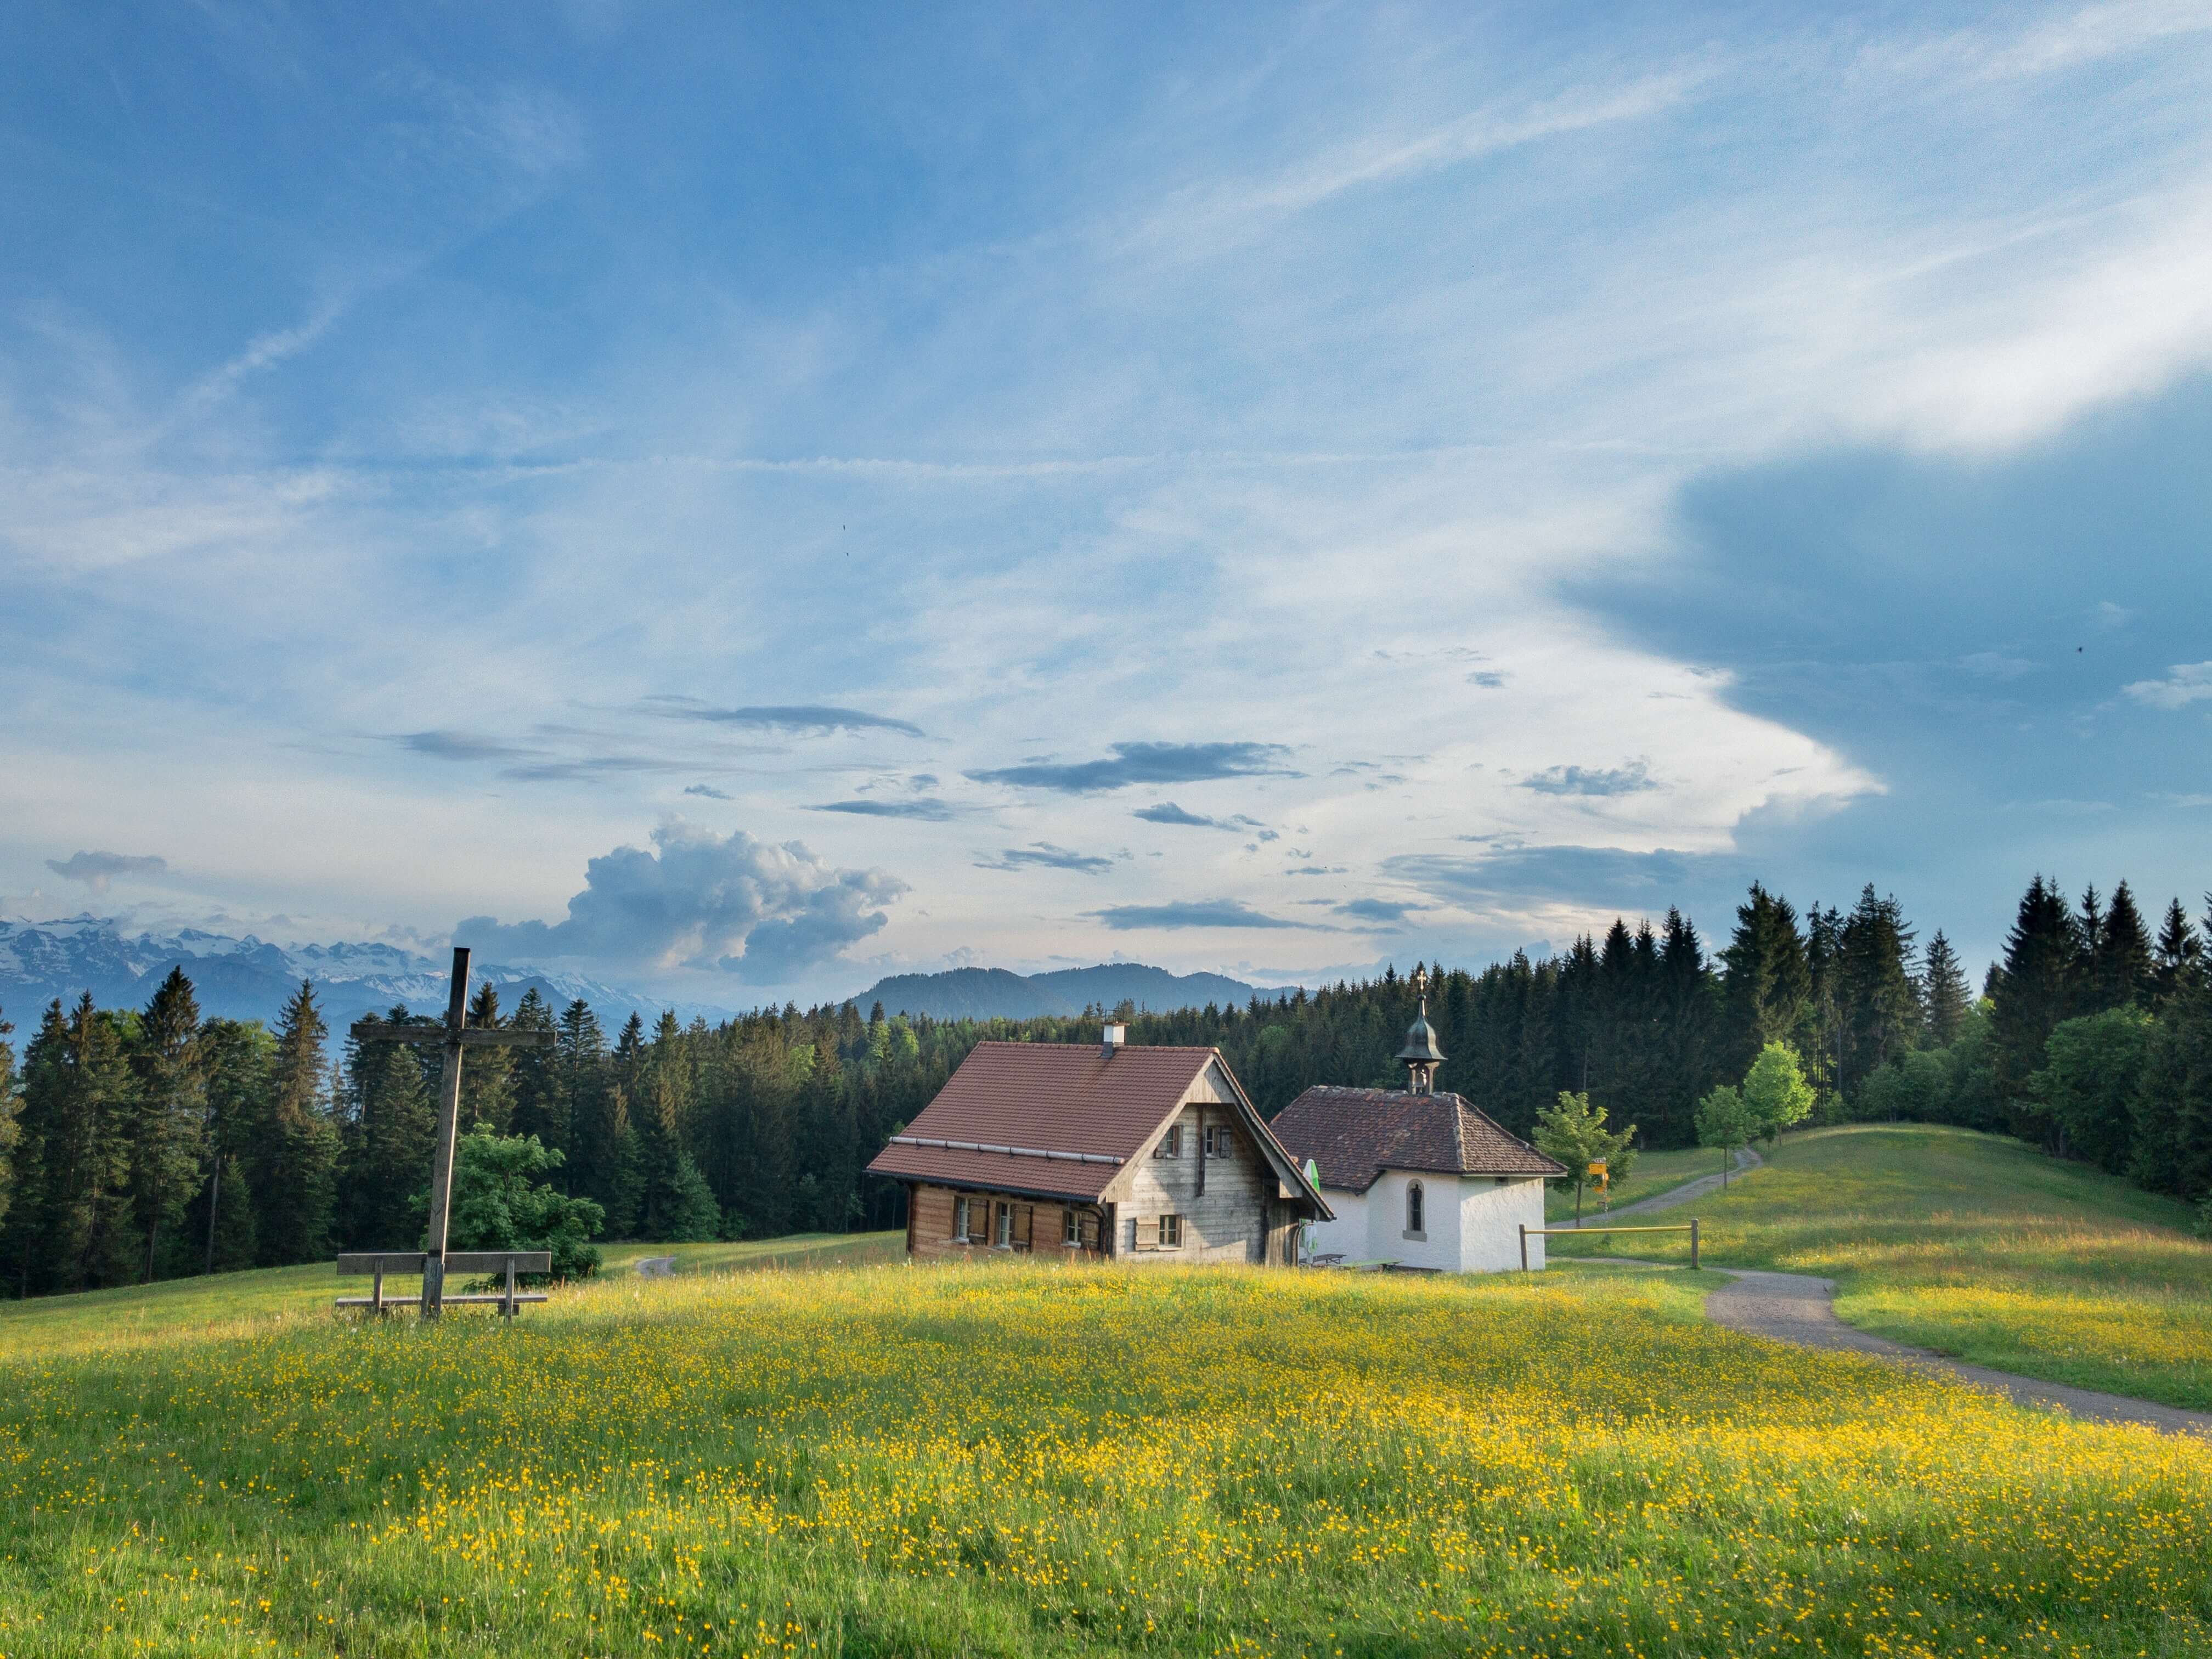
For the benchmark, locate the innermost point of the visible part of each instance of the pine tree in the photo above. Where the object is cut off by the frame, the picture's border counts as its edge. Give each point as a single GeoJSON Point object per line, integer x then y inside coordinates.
{"type": "Point", "coordinates": [171, 1102]}
{"type": "Point", "coordinates": [1768, 987]}
{"type": "Point", "coordinates": [2121, 974]}
{"type": "Point", "coordinates": [1687, 1031]}
{"type": "Point", "coordinates": [2036, 989]}
{"type": "Point", "coordinates": [292, 1163]}
{"type": "Point", "coordinates": [1943, 992]}
{"type": "Point", "coordinates": [2177, 961]}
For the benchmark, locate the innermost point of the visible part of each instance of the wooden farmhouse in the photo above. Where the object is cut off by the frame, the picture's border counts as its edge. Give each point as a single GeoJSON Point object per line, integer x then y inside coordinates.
{"type": "Point", "coordinates": [1416, 1178]}
{"type": "Point", "coordinates": [1083, 1152]}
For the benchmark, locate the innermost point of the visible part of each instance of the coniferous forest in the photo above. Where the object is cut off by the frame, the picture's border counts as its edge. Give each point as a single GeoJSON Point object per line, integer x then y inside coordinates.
{"type": "Point", "coordinates": [146, 1143]}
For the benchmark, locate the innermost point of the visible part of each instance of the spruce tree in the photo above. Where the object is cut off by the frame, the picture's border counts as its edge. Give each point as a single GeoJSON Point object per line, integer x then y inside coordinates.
{"type": "Point", "coordinates": [1880, 1016]}
{"type": "Point", "coordinates": [394, 1141]}
{"type": "Point", "coordinates": [1944, 996]}
{"type": "Point", "coordinates": [238, 1058]}
{"type": "Point", "coordinates": [11, 1130]}
{"type": "Point", "coordinates": [486, 1077]}
{"type": "Point", "coordinates": [292, 1162]}
{"type": "Point", "coordinates": [2036, 988]}
{"type": "Point", "coordinates": [2177, 960]}
{"type": "Point", "coordinates": [537, 1105]}
{"type": "Point", "coordinates": [169, 1122]}
{"type": "Point", "coordinates": [1768, 986]}
{"type": "Point", "coordinates": [2122, 973]}
{"type": "Point", "coordinates": [77, 1102]}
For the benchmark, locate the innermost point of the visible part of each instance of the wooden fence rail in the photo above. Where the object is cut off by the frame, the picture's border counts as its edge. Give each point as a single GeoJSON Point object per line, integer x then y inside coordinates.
{"type": "Point", "coordinates": [1527, 1233]}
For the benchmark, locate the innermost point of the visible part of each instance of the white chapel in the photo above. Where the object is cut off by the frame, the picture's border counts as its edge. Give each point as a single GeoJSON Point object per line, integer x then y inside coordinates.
{"type": "Point", "coordinates": [1416, 1178]}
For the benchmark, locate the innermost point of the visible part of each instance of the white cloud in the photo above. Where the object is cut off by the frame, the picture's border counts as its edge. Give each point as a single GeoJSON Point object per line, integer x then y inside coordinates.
{"type": "Point", "coordinates": [2184, 683]}
{"type": "Point", "coordinates": [768, 915]}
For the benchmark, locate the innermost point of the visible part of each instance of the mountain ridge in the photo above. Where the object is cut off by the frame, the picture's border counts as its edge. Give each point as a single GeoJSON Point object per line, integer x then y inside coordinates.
{"type": "Point", "coordinates": [1001, 993]}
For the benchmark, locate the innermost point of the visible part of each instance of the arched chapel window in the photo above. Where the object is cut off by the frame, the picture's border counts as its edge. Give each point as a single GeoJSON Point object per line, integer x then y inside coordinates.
{"type": "Point", "coordinates": [1413, 1208]}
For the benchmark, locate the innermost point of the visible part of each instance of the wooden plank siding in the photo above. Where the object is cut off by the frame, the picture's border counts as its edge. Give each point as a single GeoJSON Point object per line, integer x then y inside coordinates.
{"type": "Point", "coordinates": [1037, 1229]}
{"type": "Point", "coordinates": [1229, 1204]}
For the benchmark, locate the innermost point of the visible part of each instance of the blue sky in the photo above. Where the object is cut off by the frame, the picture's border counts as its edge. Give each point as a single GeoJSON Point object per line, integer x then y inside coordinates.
{"type": "Point", "coordinates": [748, 501]}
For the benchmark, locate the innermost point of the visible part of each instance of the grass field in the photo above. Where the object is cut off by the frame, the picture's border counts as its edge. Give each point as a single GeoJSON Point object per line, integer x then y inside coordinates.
{"type": "Point", "coordinates": [1032, 1459]}
{"type": "Point", "coordinates": [1977, 1247]}
{"type": "Point", "coordinates": [237, 1305]}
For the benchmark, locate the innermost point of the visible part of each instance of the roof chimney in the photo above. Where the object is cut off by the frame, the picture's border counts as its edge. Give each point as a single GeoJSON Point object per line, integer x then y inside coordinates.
{"type": "Point", "coordinates": [1115, 1032]}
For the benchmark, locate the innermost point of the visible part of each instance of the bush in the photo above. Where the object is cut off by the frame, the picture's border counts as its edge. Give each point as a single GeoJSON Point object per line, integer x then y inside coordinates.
{"type": "Point", "coordinates": [498, 1205]}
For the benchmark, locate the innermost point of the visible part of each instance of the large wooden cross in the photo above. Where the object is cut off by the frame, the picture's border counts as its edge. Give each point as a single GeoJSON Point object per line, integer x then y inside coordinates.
{"type": "Point", "coordinates": [455, 1035]}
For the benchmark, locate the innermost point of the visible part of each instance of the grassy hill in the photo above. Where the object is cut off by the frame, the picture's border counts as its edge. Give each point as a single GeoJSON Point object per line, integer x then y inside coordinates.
{"type": "Point", "coordinates": [1978, 1246]}
{"type": "Point", "coordinates": [1033, 1459]}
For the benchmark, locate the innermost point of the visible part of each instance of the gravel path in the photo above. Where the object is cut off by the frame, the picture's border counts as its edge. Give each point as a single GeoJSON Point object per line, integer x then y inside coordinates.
{"type": "Point", "coordinates": [1745, 1159]}
{"type": "Point", "coordinates": [655, 1267]}
{"type": "Point", "coordinates": [1799, 1308]}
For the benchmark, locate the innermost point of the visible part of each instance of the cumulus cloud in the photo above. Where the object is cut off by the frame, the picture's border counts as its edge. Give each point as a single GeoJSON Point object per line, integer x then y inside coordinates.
{"type": "Point", "coordinates": [927, 808]}
{"type": "Point", "coordinates": [2185, 682]}
{"type": "Point", "coordinates": [1044, 855]}
{"type": "Point", "coordinates": [1145, 763]}
{"type": "Point", "coordinates": [1193, 913]}
{"type": "Point", "coordinates": [761, 912]}
{"type": "Point", "coordinates": [97, 869]}
{"type": "Point", "coordinates": [815, 719]}
{"type": "Point", "coordinates": [1590, 781]}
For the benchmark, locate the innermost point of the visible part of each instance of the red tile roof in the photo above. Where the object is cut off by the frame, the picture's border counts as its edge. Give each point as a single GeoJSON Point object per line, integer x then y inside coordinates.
{"type": "Point", "coordinates": [1354, 1134]}
{"type": "Point", "coordinates": [1059, 1118]}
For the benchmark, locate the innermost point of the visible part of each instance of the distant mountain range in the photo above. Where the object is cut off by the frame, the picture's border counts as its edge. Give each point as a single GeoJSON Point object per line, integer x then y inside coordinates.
{"type": "Point", "coordinates": [995, 993]}
{"type": "Point", "coordinates": [249, 978]}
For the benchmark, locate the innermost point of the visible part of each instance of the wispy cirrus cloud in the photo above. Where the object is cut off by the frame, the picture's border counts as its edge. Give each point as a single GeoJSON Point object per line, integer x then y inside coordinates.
{"type": "Point", "coordinates": [1043, 855]}
{"type": "Point", "coordinates": [809, 719]}
{"type": "Point", "coordinates": [1237, 823]}
{"type": "Point", "coordinates": [1195, 912]}
{"type": "Point", "coordinates": [1144, 762]}
{"type": "Point", "coordinates": [925, 808]}
{"type": "Point", "coordinates": [462, 746]}
{"type": "Point", "coordinates": [706, 791]}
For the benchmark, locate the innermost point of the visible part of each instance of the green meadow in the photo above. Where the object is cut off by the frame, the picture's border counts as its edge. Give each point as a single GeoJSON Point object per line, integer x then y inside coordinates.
{"type": "Point", "coordinates": [1974, 1246]}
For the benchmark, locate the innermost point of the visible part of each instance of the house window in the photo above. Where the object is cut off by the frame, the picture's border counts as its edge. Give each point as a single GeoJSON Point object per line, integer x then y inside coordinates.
{"type": "Point", "coordinates": [1170, 1232]}
{"type": "Point", "coordinates": [1005, 1238]}
{"type": "Point", "coordinates": [1171, 1143]}
{"type": "Point", "coordinates": [1221, 1142]}
{"type": "Point", "coordinates": [1071, 1228]}
{"type": "Point", "coordinates": [1413, 1208]}
{"type": "Point", "coordinates": [963, 1231]}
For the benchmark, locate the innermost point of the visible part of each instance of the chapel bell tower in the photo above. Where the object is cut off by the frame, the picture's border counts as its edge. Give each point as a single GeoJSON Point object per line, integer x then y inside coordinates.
{"type": "Point", "coordinates": [1420, 1056]}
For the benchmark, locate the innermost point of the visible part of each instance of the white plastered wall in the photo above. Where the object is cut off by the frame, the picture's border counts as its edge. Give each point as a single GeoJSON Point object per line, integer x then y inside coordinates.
{"type": "Point", "coordinates": [1490, 1215]}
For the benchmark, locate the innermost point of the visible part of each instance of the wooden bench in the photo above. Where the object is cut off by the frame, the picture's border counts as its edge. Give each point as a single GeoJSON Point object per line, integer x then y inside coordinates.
{"type": "Point", "coordinates": [409, 1263]}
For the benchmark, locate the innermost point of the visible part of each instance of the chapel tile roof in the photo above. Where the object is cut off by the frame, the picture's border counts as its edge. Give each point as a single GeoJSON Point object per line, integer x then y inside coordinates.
{"type": "Point", "coordinates": [1087, 1112]}
{"type": "Point", "coordinates": [1352, 1135]}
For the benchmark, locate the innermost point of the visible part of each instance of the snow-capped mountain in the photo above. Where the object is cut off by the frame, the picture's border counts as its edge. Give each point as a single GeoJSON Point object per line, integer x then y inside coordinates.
{"type": "Point", "coordinates": [249, 978]}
